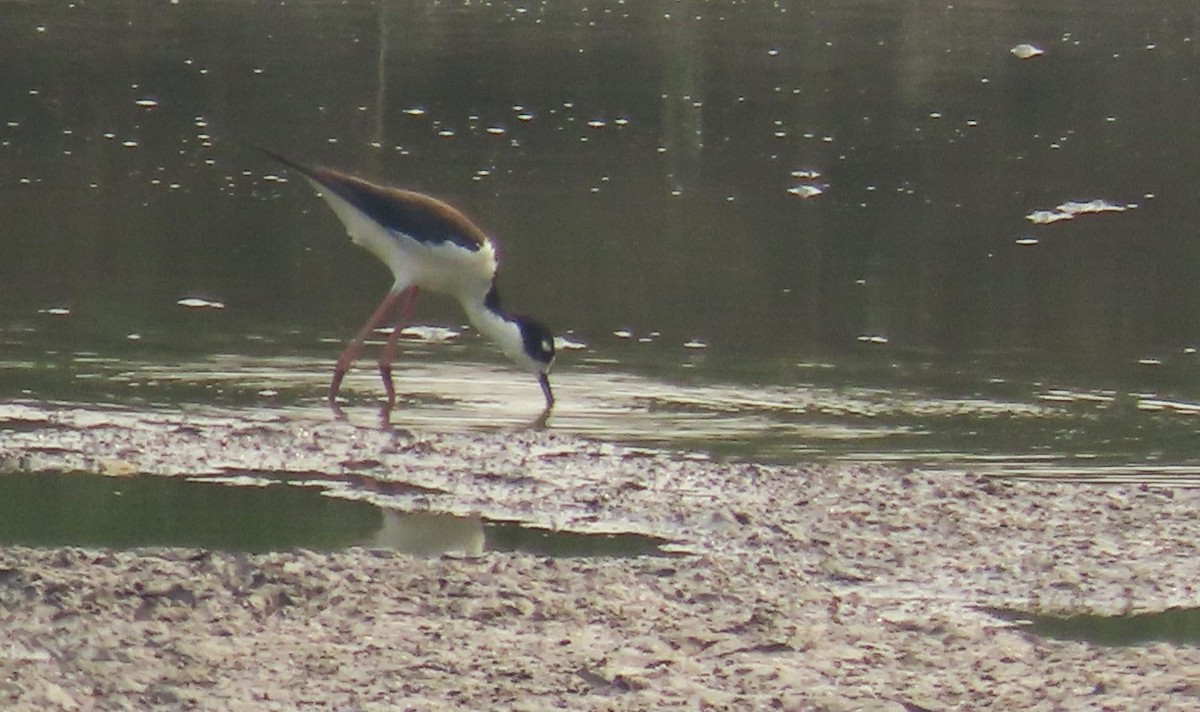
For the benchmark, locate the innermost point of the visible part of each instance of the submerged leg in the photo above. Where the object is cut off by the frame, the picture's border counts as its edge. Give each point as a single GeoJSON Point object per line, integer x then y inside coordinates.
{"type": "Point", "coordinates": [389, 348]}
{"type": "Point", "coordinates": [351, 352]}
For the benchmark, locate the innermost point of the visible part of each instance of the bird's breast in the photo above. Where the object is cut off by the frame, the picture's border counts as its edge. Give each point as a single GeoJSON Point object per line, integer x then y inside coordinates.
{"type": "Point", "coordinates": [446, 267]}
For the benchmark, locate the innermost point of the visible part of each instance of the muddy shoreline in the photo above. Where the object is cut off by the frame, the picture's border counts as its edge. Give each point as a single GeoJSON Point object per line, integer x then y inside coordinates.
{"type": "Point", "coordinates": [840, 587]}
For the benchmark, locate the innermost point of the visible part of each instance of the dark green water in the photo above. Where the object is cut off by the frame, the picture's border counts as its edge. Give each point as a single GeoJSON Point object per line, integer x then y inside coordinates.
{"type": "Point", "coordinates": [72, 509]}
{"type": "Point", "coordinates": [66, 509]}
{"type": "Point", "coordinates": [639, 164]}
{"type": "Point", "coordinates": [644, 167]}
{"type": "Point", "coordinates": [1180, 626]}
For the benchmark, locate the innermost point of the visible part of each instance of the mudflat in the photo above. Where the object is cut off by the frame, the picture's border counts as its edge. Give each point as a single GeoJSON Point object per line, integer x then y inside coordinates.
{"type": "Point", "coordinates": [825, 587]}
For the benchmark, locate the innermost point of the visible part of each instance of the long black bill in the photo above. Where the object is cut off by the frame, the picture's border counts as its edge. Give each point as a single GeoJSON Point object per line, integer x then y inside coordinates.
{"type": "Point", "coordinates": [544, 380]}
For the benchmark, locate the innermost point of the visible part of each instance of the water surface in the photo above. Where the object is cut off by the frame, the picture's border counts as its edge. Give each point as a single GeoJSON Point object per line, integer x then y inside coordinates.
{"type": "Point", "coordinates": [786, 231]}
{"type": "Point", "coordinates": [1180, 626]}
{"type": "Point", "coordinates": [258, 514]}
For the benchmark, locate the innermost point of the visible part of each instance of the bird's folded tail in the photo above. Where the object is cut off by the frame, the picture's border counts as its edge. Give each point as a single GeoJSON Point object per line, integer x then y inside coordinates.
{"type": "Point", "coordinates": [307, 171]}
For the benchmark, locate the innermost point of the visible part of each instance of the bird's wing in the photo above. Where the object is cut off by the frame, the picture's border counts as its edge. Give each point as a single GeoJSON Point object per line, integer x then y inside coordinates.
{"type": "Point", "coordinates": [416, 215]}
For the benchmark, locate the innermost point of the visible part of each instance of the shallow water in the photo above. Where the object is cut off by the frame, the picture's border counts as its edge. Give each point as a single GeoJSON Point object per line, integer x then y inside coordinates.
{"type": "Point", "coordinates": [779, 231]}
{"type": "Point", "coordinates": [68, 509]}
{"type": "Point", "coordinates": [923, 415]}
{"type": "Point", "coordinates": [1180, 626]}
{"type": "Point", "coordinates": [258, 514]}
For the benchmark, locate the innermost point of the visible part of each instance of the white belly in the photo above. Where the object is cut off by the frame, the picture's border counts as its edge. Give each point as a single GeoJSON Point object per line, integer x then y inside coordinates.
{"type": "Point", "coordinates": [445, 267]}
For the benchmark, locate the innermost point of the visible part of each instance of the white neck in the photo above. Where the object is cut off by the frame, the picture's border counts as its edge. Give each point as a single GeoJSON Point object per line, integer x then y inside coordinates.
{"type": "Point", "coordinates": [503, 332]}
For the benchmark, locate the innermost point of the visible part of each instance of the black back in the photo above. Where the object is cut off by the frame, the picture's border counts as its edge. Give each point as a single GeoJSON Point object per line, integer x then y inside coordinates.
{"type": "Point", "coordinates": [419, 216]}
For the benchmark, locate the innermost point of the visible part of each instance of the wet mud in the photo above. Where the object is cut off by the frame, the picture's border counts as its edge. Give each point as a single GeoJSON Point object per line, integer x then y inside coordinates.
{"type": "Point", "coordinates": [836, 587]}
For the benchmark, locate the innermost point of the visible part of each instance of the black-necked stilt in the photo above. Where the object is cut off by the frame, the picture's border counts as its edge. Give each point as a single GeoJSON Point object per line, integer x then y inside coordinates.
{"type": "Point", "coordinates": [428, 245]}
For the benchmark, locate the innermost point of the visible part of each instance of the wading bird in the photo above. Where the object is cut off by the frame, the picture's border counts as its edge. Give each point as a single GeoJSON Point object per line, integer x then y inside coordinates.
{"type": "Point", "coordinates": [428, 245]}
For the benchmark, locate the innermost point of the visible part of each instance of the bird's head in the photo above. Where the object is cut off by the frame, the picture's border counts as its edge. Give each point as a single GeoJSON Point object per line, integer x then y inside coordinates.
{"type": "Point", "coordinates": [537, 341]}
{"type": "Point", "coordinates": [525, 340]}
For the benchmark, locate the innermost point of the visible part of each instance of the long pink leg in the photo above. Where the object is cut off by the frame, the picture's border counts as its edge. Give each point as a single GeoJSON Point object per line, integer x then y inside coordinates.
{"type": "Point", "coordinates": [389, 348]}
{"type": "Point", "coordinates": [351, 352]}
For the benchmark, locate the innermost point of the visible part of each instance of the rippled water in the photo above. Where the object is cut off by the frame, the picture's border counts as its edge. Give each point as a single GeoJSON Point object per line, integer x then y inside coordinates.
{"type": "Point", "coordinates": [925, 415]}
